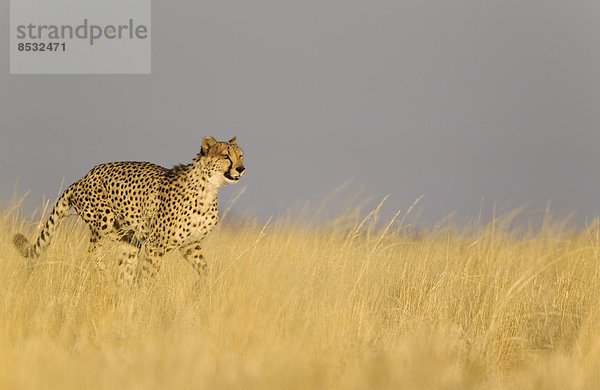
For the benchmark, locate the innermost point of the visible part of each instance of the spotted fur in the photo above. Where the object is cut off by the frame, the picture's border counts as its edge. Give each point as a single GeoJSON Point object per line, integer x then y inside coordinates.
{"type": "Point", "coordinates": [152, 209]}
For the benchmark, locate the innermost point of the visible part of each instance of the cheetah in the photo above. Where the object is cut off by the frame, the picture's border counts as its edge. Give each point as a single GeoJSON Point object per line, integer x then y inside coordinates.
{"type": "Point", "coordinates": [151, 209]}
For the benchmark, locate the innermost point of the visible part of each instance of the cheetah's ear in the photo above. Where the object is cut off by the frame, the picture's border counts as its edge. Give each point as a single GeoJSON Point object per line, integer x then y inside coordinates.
{"type": "Point", "coordinates": [233, 140]}
{"type": "Point", "coordinates": [207, 143]}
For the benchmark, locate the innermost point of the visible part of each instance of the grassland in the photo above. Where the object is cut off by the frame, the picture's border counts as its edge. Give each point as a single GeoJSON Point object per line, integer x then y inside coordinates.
{"type": "Point", "coordinates": [349, 304]}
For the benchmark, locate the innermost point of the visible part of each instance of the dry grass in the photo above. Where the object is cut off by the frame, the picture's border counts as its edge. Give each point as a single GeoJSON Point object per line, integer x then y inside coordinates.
{"type": "Point", "coordinates": [341, 306]}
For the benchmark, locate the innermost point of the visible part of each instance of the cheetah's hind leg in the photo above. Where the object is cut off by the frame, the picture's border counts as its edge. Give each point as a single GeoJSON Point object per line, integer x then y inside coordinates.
{"type": "Point", "coordinates": [98, 261]}
{"type": "Point", "coordinates": [151, 256]}
{"type": "Point", "coordinates": [128, 261]}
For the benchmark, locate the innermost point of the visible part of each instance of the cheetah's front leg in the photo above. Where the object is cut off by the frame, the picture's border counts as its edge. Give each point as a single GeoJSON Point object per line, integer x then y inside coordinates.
{"type": "Point", "coordinates": [193, 254]}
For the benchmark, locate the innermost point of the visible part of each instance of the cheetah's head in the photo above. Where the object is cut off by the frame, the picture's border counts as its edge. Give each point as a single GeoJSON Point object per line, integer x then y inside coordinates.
{"type": "Point", "coordinates": [224, 160]}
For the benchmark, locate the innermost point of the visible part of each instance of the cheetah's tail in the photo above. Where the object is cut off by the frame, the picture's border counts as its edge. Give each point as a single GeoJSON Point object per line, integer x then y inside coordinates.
{"type": "Point", "coordinates": [56, 216]}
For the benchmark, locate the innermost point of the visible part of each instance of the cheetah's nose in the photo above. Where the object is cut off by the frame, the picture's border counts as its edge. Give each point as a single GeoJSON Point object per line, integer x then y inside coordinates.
{"type": "Point", "coordinates": [240, 169]}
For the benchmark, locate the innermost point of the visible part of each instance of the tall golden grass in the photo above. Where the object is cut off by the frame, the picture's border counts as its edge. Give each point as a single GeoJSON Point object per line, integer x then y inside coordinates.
{"type": "Point", "coordinates": [349, 304]}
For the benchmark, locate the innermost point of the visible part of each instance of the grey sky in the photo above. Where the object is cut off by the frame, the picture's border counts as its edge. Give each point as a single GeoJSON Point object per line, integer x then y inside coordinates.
{"type": "Point", "coordinates": [459, 100]}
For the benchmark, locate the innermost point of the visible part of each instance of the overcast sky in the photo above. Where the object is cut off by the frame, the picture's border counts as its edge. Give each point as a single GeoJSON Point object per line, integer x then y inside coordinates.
{"type": "Point", "coordinates": [460, 100]}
